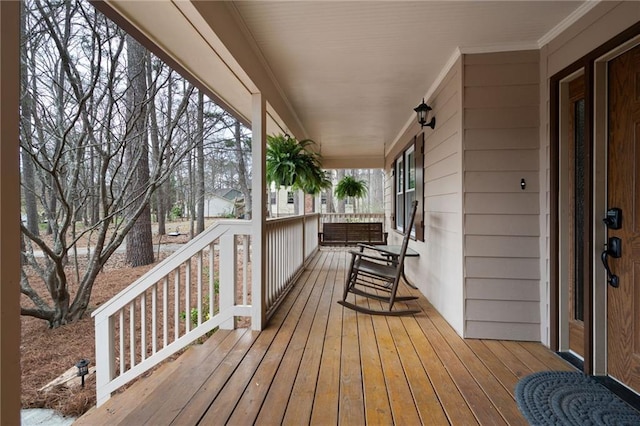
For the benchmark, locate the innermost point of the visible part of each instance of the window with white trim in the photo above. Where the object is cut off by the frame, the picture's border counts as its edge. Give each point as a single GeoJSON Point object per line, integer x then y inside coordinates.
{"type": "Point", "coordinates": [399, 213]}
{"type": "Point", "coordinates": [408, 186]}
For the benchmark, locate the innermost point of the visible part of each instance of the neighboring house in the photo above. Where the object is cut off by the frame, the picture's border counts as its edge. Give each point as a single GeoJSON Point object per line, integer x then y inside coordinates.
{"type": "Point", "coordinates": [215, 206]}
{"type": "Point", "coordinates": [281, 201]}
{"type": "Point", "coordinates": [529, 150]}
{"type": "Point", "coordinates": [228, 193]}
{"type": "Point", "coordinates": [348, 206]}
{"type": "Point", "coordinates": [223, 202]}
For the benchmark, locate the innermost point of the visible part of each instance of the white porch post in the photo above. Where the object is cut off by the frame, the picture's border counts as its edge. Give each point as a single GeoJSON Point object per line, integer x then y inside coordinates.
{"type": "Point", "coordinates": [258, 206]}
{"type": "Point", "coordinates": [9, 214]}
{"type": "Point", "coordinates": [304, 224]}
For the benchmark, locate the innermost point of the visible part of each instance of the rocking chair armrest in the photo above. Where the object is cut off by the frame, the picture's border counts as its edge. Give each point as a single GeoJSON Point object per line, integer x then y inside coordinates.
{"type": "Point", "coordinates": [389, 256]}
{"type": "Point", "coordinates": [368, 256]}
{"type": "Point", "coordinates": [369, 246]}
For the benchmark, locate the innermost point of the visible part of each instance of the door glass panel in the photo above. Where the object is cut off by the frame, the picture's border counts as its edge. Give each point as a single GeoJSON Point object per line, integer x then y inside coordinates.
{"type": "Point", "coordinates": [579, 225]}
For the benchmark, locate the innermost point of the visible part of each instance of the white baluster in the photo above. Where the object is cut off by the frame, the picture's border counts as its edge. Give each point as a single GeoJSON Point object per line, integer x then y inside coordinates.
{"type": "Point", "coordinates": [154, 318]}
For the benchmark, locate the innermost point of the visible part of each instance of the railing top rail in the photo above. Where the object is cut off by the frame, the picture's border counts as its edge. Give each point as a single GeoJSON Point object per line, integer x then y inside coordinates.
{"type": "Point", "coordinates": [199, 243]}
{"type": "Point", "coordinates": [353, 214]}
{"type": "Point", "coordinates": [292, 218]}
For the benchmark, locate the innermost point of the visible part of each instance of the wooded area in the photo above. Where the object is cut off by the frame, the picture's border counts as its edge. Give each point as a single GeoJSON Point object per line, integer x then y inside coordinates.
{"type": "Point", "coordinates": [111, 137]}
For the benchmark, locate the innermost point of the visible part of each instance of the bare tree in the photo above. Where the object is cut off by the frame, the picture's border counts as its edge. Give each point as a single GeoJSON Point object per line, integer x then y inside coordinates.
{"type": "Point", "coordinates": [243, 176]}
{"type": "Point", "coordinates": [341, 203]}
{"type": "Point", "coordinates": [139, 249]}
{"type": "Point", "coordinates": [26, 106]}
{"type": "Point", "coordinates": [155, 144]}
{"type": "Point", "coordinates": [98, 107]}
{"type": "Point", "coordinates": [79, 117]}
{"type": "Point", "coordinates": [199, 181]}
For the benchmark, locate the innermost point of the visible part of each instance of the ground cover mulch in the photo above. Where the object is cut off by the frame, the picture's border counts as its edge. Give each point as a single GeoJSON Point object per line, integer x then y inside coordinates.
{"type": "Point", "coordinates": [47, 353]}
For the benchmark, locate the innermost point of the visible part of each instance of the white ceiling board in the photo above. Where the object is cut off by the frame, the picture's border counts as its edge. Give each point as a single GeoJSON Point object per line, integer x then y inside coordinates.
{"type": "Point", "coordinates": [354, 71]}
{"type": "Point", "coordinates": [345, 74]}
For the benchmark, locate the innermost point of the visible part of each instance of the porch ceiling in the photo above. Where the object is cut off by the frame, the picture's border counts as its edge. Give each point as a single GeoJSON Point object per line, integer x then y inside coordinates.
{"type": "Point", "coordinates": [345, 74]}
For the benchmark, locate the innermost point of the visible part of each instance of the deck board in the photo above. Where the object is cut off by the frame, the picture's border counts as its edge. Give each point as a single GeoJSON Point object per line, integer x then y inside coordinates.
{"type": "Point", "coordinates": [494, 391]}
{"type": "Point", "coordinates": [325, 395]}
{"type": "Point", "coordinates": [192, 412]}
{"type": "Point", "coordinates": [351, 407]}
{"type": "Point", "coordinates": [471, 391]}
{"type": "Point", "coordinates": [508, 358]}
{"type": "Point", "coordinates": [505, 377]}
{"type": "Point", "coordinates": [189, 380]}
{"type": "Point", "coordinates": [298, 410]}
{"type": "Point", "coordinates": [319, 363]}
{"type": "Point", "coordinates": [376, 403]}
{"type": "Point", "coordinates": [256, 370]}
{"type": "Point", "coordinates": [426, 401]}
{"type": "Point", "coordinates": [403, 407]}
{"type": "Point", "coordinates": [286, 366]}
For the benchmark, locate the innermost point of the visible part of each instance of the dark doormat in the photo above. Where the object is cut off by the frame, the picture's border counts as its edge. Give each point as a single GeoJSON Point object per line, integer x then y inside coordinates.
{"type": "Point", "coordinates": [571, 398]}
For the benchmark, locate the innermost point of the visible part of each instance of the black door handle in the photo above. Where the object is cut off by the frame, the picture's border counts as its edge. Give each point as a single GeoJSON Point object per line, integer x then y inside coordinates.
{"type": "Point", "coordinates": [614, 249]}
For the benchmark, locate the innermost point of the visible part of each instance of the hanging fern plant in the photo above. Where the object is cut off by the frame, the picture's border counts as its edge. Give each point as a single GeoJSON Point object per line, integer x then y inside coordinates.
{"type": "Point", "coordinates": [351, 187]}
{"type": "Point", "coordinates": [291, 163]}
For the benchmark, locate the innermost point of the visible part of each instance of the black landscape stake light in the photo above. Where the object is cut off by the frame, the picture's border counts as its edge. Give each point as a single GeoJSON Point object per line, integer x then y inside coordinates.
{"type": "Point", "coordinates": [83, 369]}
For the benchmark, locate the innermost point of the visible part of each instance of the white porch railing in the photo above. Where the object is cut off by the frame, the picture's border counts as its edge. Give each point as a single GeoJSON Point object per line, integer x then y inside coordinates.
{"type": "Point", "coordinates": [291, 241]}
{"type": "Point", "coordinates": [312, 227]}
{"type": "Point", "coordinates": [204, 285]}
{"type": "Point", "coordinates": [351, 217]}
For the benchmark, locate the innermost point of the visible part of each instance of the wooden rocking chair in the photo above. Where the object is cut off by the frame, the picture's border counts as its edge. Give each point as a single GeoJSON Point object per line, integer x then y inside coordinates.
{"type": "Point", "coordinates": [380, 274]}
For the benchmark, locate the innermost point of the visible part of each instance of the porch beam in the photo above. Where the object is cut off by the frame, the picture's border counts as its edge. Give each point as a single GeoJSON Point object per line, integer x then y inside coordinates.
{"type": "Point", "coordinates": [9, 214]}
{"type": "Point", "coordinates": [226, 23]}
{"type": "Point", "coordinates": [258, 210]}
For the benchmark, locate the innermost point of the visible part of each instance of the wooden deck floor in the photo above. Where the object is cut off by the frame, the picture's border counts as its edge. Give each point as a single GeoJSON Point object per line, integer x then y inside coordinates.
{"type": "Point", "coordinates": [320, 363]}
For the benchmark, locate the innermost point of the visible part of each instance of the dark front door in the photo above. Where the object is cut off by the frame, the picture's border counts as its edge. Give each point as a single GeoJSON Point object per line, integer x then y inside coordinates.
{"type": "Point", "coordinates": [623, 186]}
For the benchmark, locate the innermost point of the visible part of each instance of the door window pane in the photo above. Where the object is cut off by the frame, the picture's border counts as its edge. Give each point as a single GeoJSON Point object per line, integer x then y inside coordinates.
{"type": "Point", "coordinates": [579, 191]}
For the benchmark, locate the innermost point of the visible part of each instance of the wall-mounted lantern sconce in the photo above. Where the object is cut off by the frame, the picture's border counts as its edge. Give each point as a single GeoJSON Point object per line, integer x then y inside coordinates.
{"type": "Point", "coordinates": [423, 112]}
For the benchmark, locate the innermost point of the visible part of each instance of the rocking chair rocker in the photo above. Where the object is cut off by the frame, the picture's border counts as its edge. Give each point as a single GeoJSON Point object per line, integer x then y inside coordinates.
{"type": "Point", "coordinates": [380, 273]}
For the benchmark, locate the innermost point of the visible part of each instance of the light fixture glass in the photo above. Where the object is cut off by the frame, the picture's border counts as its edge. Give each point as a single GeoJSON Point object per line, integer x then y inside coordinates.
{"type": "Point", "coordinates": [422, 111]}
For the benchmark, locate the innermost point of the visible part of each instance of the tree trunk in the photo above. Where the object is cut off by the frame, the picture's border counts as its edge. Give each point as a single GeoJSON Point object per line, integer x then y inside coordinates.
{"type": "Point", "coordinates": [200, 165]}
{"type": "Point", "coordinates": [377, 192]}
{"type": "Point", "coordinates": [164, 190]}
{"type": "Point", "coordinates": [155, 147]}
{"type": "Point", "coordinates": [329, 206]}
{"type": "Point", "coordinates": [243, 178]}
{"type": "Point", "coordinates": [355, 173]}
{"type": "Point", "coordinates": [340, 203]}
{"type": "Point", "coordinates": [139, 240]}
{"type": "Point", "coordinates": [26, 104]}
